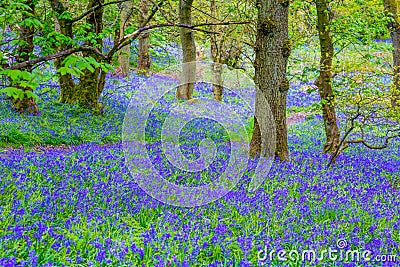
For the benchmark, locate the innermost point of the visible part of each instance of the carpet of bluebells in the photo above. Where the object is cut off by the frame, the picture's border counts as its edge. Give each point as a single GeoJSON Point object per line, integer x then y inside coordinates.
{"type": "Point", "coordinates": [81, 207]}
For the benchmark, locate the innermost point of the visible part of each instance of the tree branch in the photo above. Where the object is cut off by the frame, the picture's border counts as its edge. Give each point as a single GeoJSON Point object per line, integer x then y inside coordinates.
{"type": "Point", "coordinates": [365, 143]}
{"type": "Point", "coordinates": [93, 9]}
{"type": "Point", "coordinates": [126, 40]}
{"type": "Point", "coordinates": [54, 56]}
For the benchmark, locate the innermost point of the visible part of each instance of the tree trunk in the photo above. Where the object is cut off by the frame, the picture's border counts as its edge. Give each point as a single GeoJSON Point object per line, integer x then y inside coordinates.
{"type": "Point", "coordinates": [25, 50]}
{"type": "Point", "coordinates": [215, 55]}
{"type": "Point", "coordinates": [57, 27]}
{"type": "Point", "coordinates": [144, 56]}
{"type": "Point", "coordinates": [390, 7]}
{"type": "Point", "coordinates": [125, 52]}
{"type": "Point", "coordinates": [64, 26]}
{"type": "Point", "coordinates": [116, 36]}
{"type": "Point", "coordinates": [89, 82]}
{"type": "Point", "coordinates": [218, 86]}
{"type": "Point", "coordinates": [324, 81]}
{"type": "Point", "coordinates": [272, 49]}
{"type": "Point", "coordinates": [185, 90]}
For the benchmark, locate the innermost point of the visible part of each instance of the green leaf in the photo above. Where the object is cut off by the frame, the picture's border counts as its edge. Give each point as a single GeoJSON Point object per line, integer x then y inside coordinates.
{"type": "Point", "coordinates": [33, 22]}
{"type": "Point", "coordinates": [73, 71]}
{"type": "Point", "coordinates": [31, 94]}
{"type": "Point", "coordinates": [65, 15]}
{"type": "Point", "coordinates": [18, 75]}
{"type": "Point", "coordinates": [13, 92]}
{"type": "Point", "coordinates": [70, 60]}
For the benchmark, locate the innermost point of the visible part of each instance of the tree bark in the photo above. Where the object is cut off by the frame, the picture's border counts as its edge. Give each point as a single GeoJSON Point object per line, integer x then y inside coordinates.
{"type": "Point", "coordinates": [144, 61]}
{"type": "Point", "coordinates": [25, 50]}
{"type": "Point", "coordinates": [125, 52]}
{"type": "Point", "coordinates": [390, 7]}
{"type": "Point", "coordinates": [90, 82]}
{"type": "Point", "coordinates": [216, 58]}
{"type": "Point", "coordinates": [324, 81]}
{"type": "Point", "coordinates": [185, 90]}
{"type": "Point", "coordinates": [218, 86]}
{"type": "Point", "coordinates": [116, 35]}
{"type": "Point", "coordinates": [272, 49]}
{"type": "Point", "coordinates": [64, 25]}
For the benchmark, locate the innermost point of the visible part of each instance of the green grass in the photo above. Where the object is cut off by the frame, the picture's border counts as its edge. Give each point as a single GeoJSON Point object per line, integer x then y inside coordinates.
{"type": "Point", "coordinates": [58, 124]}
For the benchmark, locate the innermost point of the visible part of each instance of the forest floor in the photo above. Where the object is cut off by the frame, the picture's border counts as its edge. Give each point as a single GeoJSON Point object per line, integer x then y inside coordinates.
{"type": "Point", "coordinates": [293, 118]}
{"type": "Point", "coordinates": [74, 201]}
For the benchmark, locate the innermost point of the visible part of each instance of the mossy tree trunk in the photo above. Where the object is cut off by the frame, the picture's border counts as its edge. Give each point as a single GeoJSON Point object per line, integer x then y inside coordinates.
{"type": "Point", "coordinates": [144, 60]}
{"type": "Point", "coordinates": [25, 50]}
{"type": "Point", "coordinates": [324, 81]}
{"type": "Point", "coordinates": [185, 90]}
{"type": "Point", "coordinates": [92, 83]}
{"type": "Point", "coordinates": [272, 49]}
{"type": "Point", "coordinates": [390, 7]}
{"type": "Point", "coordinates": [88, 90]}
{"type": "Point", "coordinates": [64, 25]}
{"type": "Point", "coordinates": [125, 52]}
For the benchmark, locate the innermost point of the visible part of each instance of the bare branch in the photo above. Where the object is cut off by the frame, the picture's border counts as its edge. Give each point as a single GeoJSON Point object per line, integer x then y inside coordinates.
{"type": "Point", "coordinates": [93, 9]}
{"type": "Point", "coordinates": [126, 40]}
{"type": "Point", "coordinates": [365, 143]}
